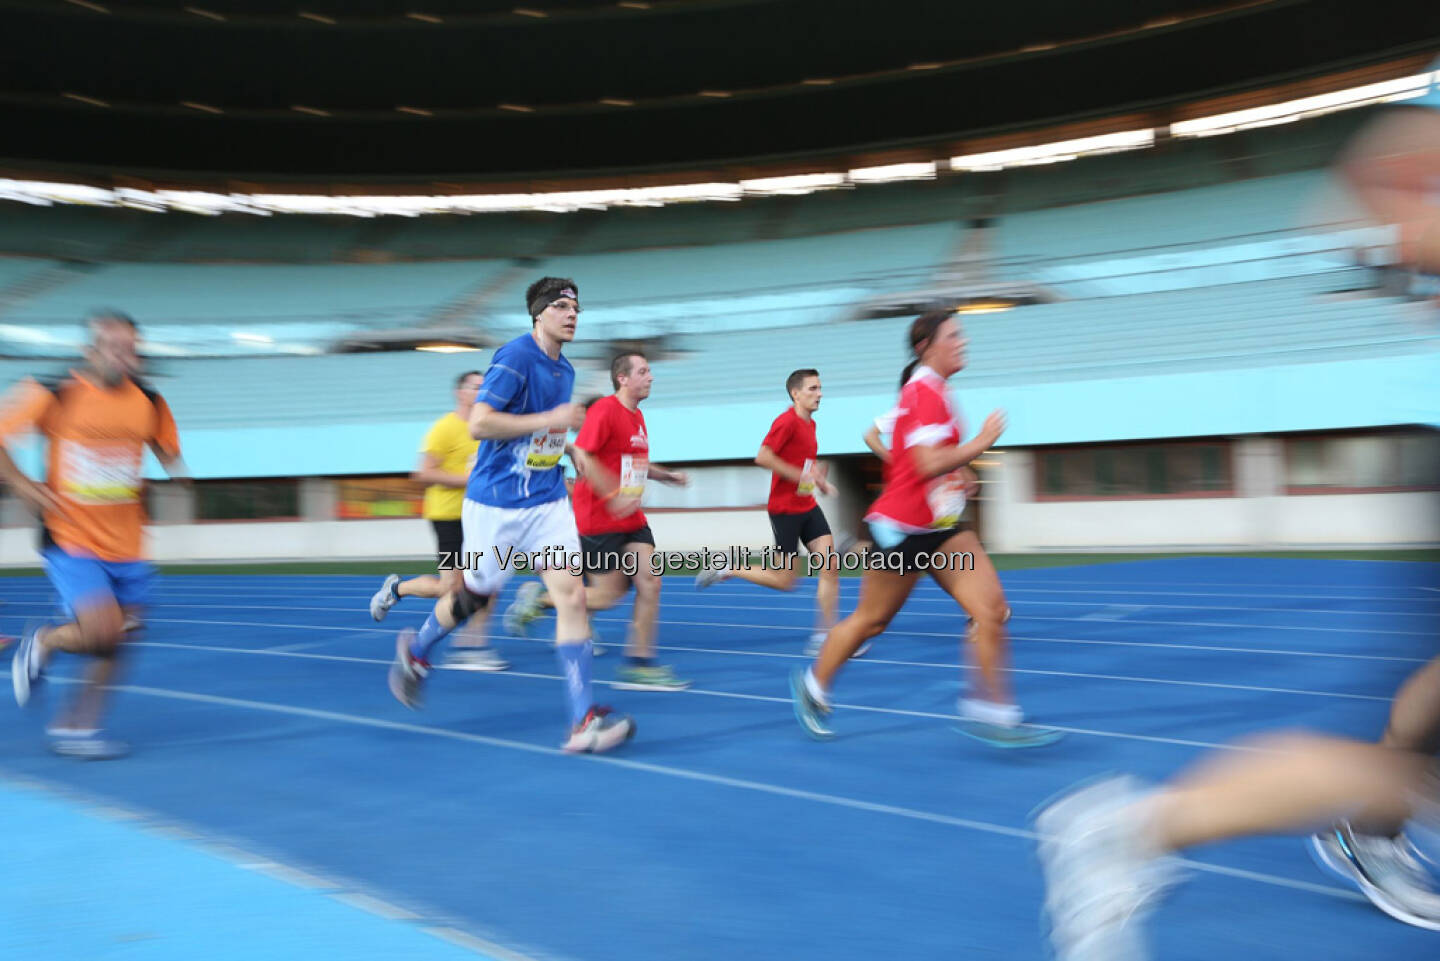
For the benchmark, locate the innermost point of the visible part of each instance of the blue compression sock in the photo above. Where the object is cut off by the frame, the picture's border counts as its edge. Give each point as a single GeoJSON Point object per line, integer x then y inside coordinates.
{"type": "Point", "coordinates": [431, 633]}
{"type": "Point", "coordinates": [574, 661]}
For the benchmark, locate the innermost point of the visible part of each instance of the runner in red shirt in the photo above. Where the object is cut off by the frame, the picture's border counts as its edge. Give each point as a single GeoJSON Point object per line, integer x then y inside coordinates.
{"type": "Point", "coordinates": [612, 458]}
{"type": "Point", "coordinates": [918, 525]}
{"type": "Point", "coordinates": [789, 452]}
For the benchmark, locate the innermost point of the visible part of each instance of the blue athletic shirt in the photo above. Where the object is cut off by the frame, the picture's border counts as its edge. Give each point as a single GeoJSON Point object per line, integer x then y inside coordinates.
{"type": "Point", "coordinates": [522, 471]}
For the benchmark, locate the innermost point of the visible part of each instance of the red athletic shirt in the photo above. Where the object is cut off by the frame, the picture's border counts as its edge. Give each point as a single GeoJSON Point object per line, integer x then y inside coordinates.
{"type": "Point", "coordinates": [792, 439]}
{"type": "Point", "coordinates": [615, 436]}
{"type": "Point", "coordinates": [926, 417]}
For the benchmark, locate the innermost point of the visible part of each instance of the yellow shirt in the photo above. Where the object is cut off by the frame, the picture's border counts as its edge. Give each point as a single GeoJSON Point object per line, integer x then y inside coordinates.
{"type": "Point", "coordinates": [449, 442]}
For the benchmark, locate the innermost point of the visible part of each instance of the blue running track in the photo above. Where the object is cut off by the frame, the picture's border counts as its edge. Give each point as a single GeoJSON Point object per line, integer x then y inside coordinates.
{"type": "Point", "coordinates": [280, 804]}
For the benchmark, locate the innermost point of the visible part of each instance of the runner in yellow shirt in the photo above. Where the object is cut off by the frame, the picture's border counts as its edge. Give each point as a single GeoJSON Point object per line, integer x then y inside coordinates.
{"type": "Point", "coordinates": [446, 459]}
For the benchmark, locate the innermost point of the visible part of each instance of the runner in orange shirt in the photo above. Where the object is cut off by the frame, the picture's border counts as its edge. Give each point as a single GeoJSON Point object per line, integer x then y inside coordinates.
{"type": "Point", "coordinates": [97, 421]}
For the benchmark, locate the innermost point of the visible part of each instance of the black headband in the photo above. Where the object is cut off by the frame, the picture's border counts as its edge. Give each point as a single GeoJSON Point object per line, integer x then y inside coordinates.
{"type": "Point", "coordinates": [548, 296]}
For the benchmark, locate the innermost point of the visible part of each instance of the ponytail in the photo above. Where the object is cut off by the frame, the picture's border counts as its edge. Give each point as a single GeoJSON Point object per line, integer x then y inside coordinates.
{"type": "Point", "coordinates": [908, 372]}
{"type": "Point", "coordinates": [921, 331]}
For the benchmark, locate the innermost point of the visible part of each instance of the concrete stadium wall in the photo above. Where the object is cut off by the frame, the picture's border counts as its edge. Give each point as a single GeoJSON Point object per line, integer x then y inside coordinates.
{"type": "Point", "coordinates": [725, 507]}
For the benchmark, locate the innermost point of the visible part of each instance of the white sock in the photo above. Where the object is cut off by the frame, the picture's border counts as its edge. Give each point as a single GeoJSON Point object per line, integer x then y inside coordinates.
{"type": "Point", "coordinates": [989, 712]}
{"type": "Point", "coordinates": [816, 691]}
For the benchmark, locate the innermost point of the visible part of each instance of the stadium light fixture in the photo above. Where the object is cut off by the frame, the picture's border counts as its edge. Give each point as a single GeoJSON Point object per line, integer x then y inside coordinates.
{"type": "Point", "coordinates": [1057, 152]}
{"type": "Point", "coordinates": [798, 184]}
{"type": "Point", "coordinates": [890, 173]}
{"type": "Point", "coordinates": [985, 307]}
{"type": "Point", "coordinates": [1389, 91]}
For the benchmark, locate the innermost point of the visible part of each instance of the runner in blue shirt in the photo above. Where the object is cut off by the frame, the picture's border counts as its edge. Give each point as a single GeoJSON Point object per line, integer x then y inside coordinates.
{"type": "Point", "coordinates": [516, 507]}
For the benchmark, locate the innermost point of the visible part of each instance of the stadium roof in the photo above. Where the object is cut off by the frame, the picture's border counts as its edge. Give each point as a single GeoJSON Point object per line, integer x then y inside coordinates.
{"type": "Point", "coordinates": [422, 90]}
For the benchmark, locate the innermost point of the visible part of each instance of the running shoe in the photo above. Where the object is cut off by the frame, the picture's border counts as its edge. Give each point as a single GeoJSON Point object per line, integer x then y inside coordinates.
{"type": "Point", "coordinates": [653, 677]}
{"type": "Point", "coordinates": [385, 598]}
{"type": "Point", "coordinates": [1388, 871]}
{"type": "Point", "coordinates": [602, 730]}
{"type": "Point", "coordinates": [710, 576]}
{"type": "Point", "coordinates": [25, 670]}
{"type": "Point", "coordinates": [1100, 882]}
{"type": "Point", "coordinates": [407, 673]}
{"type": "Point", "coordinates": [86, 745]}
{"type": "Point", "coordinates": [1008, 735]}
{"type": "Point", "coordinates": [525, 609]}
{"type": "Point", "coordinates": [810, 711]}
{"type": "Point", "coordinates": [474, 659]}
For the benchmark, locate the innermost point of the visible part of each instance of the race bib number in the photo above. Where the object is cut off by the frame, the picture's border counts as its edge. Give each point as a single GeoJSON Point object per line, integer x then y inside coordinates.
{"type": "Point", "coordinates": [634, 469]}
{"type": "Point", "coordinates": [806, 487]}
{"type": "Point", "coordinates": [946, 496]}
{"type": "Point", "coordinates": [99, 475]}
{"type": "Point", "coordinates": [546, 449]}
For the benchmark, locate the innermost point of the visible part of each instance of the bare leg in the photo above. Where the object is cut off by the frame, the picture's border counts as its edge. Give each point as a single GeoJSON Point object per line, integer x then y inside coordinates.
{"type": "Point", "coordinates": [567, 591]}
{"type": "Point", "coordinates": [96, 631]}
{"type": "Point", "coordinates": [777, 579]}
{"type": "Point", "coordinates": [603, 592]}
{"type": "Point", "coordinates": [641, 642]}
{"type": "Point", "coordinates": [882, 594]}
{"type": "Point", "coordinates": [1299, 783]}
{"type": "Point", "coordinates": [1415, 713]}
{"type": "Point", "coordinates": [428, 585]}
{"type": "Point", "coordinates": [979, 592]}
{"type": "Point", "coordinates": [827, 591]}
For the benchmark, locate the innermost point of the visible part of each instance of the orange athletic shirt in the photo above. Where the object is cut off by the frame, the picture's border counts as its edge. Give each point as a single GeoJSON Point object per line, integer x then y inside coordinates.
{"type": "Point", "coordinates": [97, 438]}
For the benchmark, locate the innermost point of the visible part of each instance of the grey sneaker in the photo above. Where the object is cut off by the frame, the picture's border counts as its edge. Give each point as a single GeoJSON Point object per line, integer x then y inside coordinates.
{"type": "Point", "coordinates": [385, 598]}
{"type": "Point", "coordinates": [1100, 883]}
{"type": "Point", "coordinates": [25, 672]}
{"type": "Point", "coordinates": [525, 609]}
{"type": "Point", "coordinates": [87, 746]}
{"type": "Point", "coordinates": [474, 659]}
{"type": "Point", "coordinates": [407, 673]}
{"type": "Point", "coordinates": [601, 731]}
{"type": "Point", "coordinates": [1388, 871]}
{"type": "Point", "coordinates": [709, 577]}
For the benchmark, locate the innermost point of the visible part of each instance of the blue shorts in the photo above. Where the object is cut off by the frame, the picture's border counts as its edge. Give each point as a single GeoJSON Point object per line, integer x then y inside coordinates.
{"type": "Point", "coordinates": [86, 581]}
